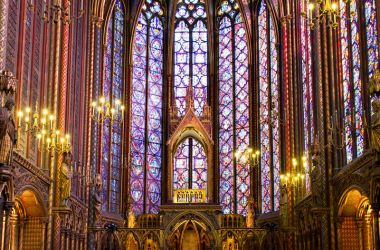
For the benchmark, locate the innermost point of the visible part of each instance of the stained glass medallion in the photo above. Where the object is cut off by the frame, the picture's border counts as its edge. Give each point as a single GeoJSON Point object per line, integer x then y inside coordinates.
{"type": "Point", "coordinates": [190, 54]}
{"type": "Point", "coordinates": [146, 117]}
{"type": "Point", "coordinates": [234, 126]}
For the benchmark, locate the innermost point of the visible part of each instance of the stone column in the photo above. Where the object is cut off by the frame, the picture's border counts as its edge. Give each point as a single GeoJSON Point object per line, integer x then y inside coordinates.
{"type": "Point", "coordinates": [13, 223]}
{"type": "Point", "coordinates": [339, 222]}
{"type": "Point", "coordinates": [62, 239]}
{"type": "Point", "coordinates": [375, 226]}
{"type": "Point", "coordinates": [1, 221]}
{"type": "Point", "coordinates": [21, 233]}
{"type": "Point", "coordinates": [44, 222]}
{"type": "Point", "coordinates": [7, 208]}
{"type": "Point", "coordinates": [359, 224]}
{"type": "Point", "coordinates": [368, 228]}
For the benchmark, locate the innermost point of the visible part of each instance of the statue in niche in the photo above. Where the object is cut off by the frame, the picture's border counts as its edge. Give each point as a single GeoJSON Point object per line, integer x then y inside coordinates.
{"type": "Point", "coordinates": [250, 219]}
{"type": "Point", "coordinates": [315, 172]}
{"type": "Point", "coordinates": [131, 218]}
{"type": "Point", "coordinates": [375, 126]}
{"type": "Point", "coordinates": [66, 176]}
{"type": "Point", "coordinates": [98, 196]}
{"type": "Point", "coordinates": [8, 133]}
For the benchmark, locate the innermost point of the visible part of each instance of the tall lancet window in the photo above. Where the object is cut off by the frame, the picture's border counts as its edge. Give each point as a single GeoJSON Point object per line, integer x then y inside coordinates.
{"type": "Point", "coordinates": [233, 108]}
{"type": "Point", "coordinates": [371, 35]}
{"type": "Point", "coordinates": [146, 110]}
{"type": "Point", "coordinates": [351, 37]}
{"type": "Point", "coordinates": [112, 91]}
{"type": "Point", "coordinates": [307, 90]}
{"type": "Point", "coordinates": [190, 54]}
{"type": "Point", "coordinates": [269, 97]}
{"type": "Point", "coordinates": [190, 165]}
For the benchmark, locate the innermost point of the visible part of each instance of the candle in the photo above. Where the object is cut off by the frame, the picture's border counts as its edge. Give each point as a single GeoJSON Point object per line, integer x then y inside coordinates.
{"type": "Point", "coordinates": [328, 5]}
{"type": "Point", "coordinates": [311, 8]}
{"type": "Point", "coordinates": [44, 6]}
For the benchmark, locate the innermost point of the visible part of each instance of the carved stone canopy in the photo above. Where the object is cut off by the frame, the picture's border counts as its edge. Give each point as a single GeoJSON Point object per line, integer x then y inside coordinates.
{"type": "Point", "coordinates": [191, 126]}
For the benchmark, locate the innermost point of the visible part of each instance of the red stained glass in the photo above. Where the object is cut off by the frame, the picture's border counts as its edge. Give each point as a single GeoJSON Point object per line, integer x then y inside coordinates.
{"type": "Point", "coordinates": [234, 118]}
{"type": "Point", "coordinates": [146, 129]}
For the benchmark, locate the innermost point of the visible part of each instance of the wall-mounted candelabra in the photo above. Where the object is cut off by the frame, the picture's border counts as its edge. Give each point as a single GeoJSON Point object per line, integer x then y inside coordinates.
{"type": "Point", "coordinates": [102, 110]}
{"type": "Point", "coordinates": [319, 9]}
{"type": "Point", "coordinates": [249, 155]}
{"type": "Point", "coordinates": [296, 175]}
{"type": "Point", "coordinates": [57, 11]}
{"type": "Point", "coordinates": [374, 84]}
{"type": "Point", "coordinates": [41, 125]}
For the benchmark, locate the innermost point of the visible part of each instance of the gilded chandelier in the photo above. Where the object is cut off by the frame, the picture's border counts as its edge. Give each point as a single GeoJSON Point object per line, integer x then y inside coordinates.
{"type": "Point", "coordinates": [42, 126]}
{"type": "Point", "coordinates": [295, 177]}
{"type": "Point", "coordinates": [323, 8]}
{"type": "Point", "coordinates": [102, 110]}
{"type": "Point", "coordinates": [248, 155]}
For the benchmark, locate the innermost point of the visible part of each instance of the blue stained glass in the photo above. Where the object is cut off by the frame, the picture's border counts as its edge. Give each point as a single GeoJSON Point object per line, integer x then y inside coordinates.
{"type": "Point", "coordinates": [190, 55]}
{"type": "Point", "coordinates": [371, 34]}
{"type": "Point", "coordinates": [351, 69]}
{"type": "Point", "coordinates": [190, 157]}
{"type": "Point", "coordinates": [112, 89]}
{"type": "Point", "coordinates": [146, 117]}
{"type": "Point", "coordinates": [269, 111]}
{"type": "Point", "coordinates": [234, 104]}
{"type": "Point", "coordinates": [307, 93]}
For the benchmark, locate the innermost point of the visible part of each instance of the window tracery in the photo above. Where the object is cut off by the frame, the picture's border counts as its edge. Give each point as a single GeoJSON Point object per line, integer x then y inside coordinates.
{"type": "Point", "coordinates": [307, 91]}
{"type": "Point", "coordinates": [269, 109]}
{"type": "Point", "coordinates": [190, 54]}
{"type": "Point", "coordinates": [146, 110]}
{"type": "Point", "coordinates": [234, 125]}
{"type": "Point", "coordinates": [112, 91]}
{"type": "Point", "coordinates": [190, 165]}
{"type": "Point", "coordinates": [351, 69]}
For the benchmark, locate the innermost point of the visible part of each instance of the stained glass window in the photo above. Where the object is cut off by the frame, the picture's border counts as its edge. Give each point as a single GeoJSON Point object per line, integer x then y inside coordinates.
{"type": "Point", "coordinates": [190, 54]}
{"type": "Point", "coordinates": [307, 91]}
{"type": "Point", "coordinates": [146, 116]}
{"type": "Point", "coordinates": [234, 127]}
{"type": "Point", "coordinates": [371, 35]}
{"type": "Point", "coordinates": [190, 165]}
{"type": "Point", "coordinates": [351, 69]}
{"type": "Point", "coordinates": [269, 97]}
{"type": "Point", "coordinates": [112, 91]}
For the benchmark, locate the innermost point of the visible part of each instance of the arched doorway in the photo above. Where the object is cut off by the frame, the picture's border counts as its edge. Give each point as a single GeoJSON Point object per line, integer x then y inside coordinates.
{"type": "Point", "coordinates": [190, 234]}
{"type": "Point", "coordinates": [28, 222]}
{"type": "Point", "coordinates": [131, 242]}
{"type": "Point", "coordinates": [354, 221]}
